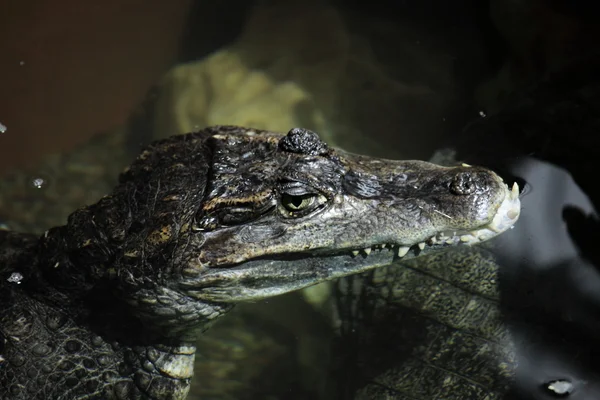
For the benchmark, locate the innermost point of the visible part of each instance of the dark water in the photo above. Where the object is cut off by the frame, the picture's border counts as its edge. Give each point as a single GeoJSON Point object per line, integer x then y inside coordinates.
{"type": "Point", "coordinates": [399, 80]}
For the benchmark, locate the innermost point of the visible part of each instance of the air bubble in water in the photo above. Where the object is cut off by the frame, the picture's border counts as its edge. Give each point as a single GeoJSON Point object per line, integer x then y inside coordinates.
{"type": "Point", "coordinates": [38, 182]}
{"type": "Point", "coordinates": [15, 277]}
{"type": "Point", "coordinates": [560, 387]}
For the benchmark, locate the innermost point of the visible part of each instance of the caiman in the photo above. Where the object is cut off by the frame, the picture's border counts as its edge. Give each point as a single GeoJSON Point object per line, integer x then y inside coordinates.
{"type": "Point", "coordinates": [108, 305]}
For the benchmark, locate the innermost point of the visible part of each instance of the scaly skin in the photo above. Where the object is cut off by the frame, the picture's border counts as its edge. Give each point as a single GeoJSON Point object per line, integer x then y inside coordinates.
{"type": "Point", "coordinates": [107, 306]}
{"type": "Point", "coordinates": [428, 329]}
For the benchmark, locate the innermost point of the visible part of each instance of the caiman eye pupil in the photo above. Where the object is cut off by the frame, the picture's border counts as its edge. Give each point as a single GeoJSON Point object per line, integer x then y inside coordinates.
{"type": "Point", "coordinates": [296, 203]}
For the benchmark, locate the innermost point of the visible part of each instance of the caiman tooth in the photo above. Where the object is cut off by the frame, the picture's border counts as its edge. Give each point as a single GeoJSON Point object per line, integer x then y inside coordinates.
{"type": "Point", "coordinates": [402, 250]}
{"type": "Point", "coordinates": [421, 245]}
{"type": "Point", "coordinates": [383, 246]}
{"type": "Point", "coordinates": [495, 229]}
{"type": "Point", "coordinates": [367, 250]}
{"type": "Point", "coordinates": [354, 253]}
{"type": "Point", "coordinates": [514, 192]}
{"type": "Point", "coordinates": [466, 238]}
{"type": "Point", "coordinates": [450, 241]}
{"type": "Point", "coordinates": [465, 165]}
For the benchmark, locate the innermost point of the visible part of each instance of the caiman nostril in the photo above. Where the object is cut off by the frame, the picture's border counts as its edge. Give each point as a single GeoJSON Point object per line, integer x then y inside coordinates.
{"type": "Point", "coordinates": [462, 184]}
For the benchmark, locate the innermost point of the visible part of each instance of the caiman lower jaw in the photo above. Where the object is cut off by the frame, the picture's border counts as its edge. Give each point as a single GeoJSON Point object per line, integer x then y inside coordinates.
{"type": "Point", "coordinates": [504, 218]}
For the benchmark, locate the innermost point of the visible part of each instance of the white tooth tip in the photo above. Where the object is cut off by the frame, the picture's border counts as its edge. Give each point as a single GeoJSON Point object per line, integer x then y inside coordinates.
{"type": "Point", "coordinates": [383, 246]}
{"type": "Point", "coordinates": [402, 250]}
{"type": "Point", "coordinates": [465, 165]}
{"type": "Point", "coordinates": [421, 245]}
{"type": "Point", "coordinates": [354, 252]}
{"type": "Point", "coordinates": [496, 229]}
{"type": "Point", "coordinates": [367, 250]}
{"type": "Point", "coordinates": [466, 238]}
{"type": "Point", "coordinates": [514, 193]}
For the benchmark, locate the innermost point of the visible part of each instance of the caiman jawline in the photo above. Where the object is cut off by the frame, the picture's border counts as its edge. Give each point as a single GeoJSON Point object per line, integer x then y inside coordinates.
{"type": "Point", "coordinates": [229, 284]}
{"type": "Point", "coordinates": [504, 218]}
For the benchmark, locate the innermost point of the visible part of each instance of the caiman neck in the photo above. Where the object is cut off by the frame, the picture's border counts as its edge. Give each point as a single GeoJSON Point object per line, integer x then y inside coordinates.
{"type": "Point", "coordinates": [80, 263]}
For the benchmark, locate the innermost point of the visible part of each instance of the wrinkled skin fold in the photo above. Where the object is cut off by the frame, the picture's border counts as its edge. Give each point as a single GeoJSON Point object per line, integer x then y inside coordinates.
{"type": "Point", "coordinates": [107, 306]}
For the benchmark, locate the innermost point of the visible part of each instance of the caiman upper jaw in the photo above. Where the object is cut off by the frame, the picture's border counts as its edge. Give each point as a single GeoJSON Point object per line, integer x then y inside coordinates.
{"type": "Point", "coordinates": [505, 217]}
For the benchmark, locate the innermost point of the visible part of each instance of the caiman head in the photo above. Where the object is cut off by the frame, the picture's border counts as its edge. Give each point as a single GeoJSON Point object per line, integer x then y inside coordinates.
{"type": "Point", "coordinates": [231, 214]}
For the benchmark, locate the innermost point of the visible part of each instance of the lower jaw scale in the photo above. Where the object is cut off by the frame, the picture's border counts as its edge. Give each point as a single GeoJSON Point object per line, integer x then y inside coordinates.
{"type": "Point", "coordinates": [504, 219]}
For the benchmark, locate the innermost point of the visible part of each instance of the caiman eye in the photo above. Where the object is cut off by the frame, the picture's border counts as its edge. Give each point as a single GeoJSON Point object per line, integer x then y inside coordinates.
{"type": "Point", "coordinates": [295, 203]}
{"type": "Point", "coordinates": [298, 200]}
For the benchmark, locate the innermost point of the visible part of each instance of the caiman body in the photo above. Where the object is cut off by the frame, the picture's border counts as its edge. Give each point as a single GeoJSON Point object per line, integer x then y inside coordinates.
{"type": "Point", "coordinates": [107, 306]}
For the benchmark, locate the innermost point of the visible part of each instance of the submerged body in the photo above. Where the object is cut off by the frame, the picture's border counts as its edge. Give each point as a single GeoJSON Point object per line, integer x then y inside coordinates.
{"type": "Point", "coordinates": [107, 306]}
{"type": "Point", "coordinates": [429, 329]}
